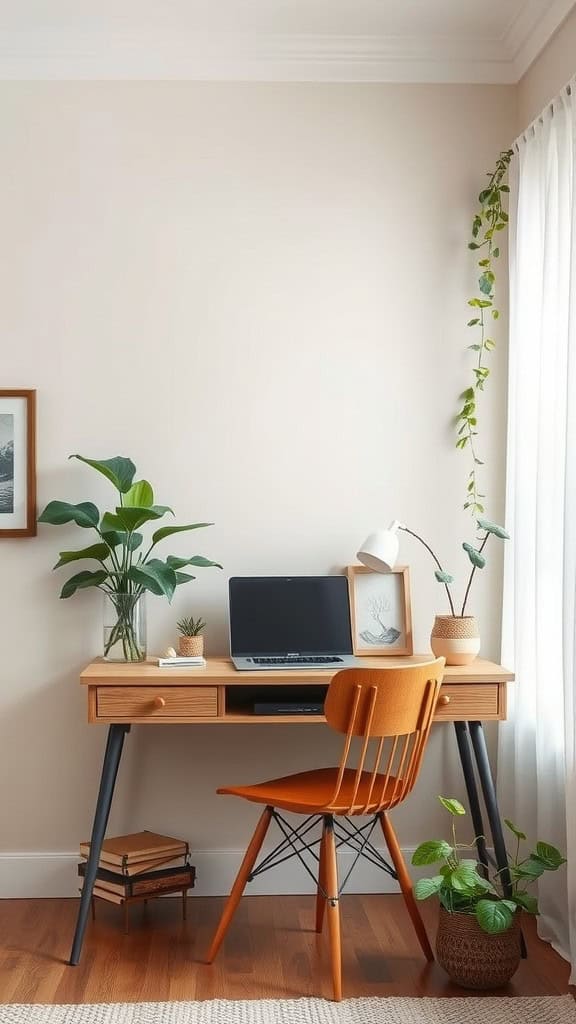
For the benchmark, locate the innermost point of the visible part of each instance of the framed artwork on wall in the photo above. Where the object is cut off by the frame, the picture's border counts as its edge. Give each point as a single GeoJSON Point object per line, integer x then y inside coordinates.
{"type": "Point", "coordinates": [17, 462]}
{"type": "Point", "coordinates": [380, 610]}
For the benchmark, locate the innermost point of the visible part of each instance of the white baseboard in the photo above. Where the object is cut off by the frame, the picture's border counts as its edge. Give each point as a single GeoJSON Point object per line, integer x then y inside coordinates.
{"type": "Point", "coordinates": [50, 875]}
{"type": "Point", "coordinates": [42, 874]}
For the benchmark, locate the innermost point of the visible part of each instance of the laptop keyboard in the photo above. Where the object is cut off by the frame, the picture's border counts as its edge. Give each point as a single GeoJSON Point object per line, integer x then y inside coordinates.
{"type": "Point", "coordinates": [315, 660]}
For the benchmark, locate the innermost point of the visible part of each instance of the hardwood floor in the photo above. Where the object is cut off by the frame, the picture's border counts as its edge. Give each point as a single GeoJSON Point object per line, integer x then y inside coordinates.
{"type": "Point", "coordinates": [271, 951]}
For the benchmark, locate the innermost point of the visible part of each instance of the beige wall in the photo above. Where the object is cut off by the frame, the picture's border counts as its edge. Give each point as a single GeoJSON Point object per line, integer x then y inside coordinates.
{"type": "Point", "coordinates": [549, 72]}
{"type": "Point", "coordinates": [258, 292]}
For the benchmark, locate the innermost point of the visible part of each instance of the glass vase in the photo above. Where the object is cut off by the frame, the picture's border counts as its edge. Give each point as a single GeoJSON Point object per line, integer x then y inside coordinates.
{"type": "Point", "coordinates": [124, 627]}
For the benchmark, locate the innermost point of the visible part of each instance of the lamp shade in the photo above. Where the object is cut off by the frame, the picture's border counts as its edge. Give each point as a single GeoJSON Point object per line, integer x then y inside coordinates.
{"type": "Point", "coordinates": [380, 550]}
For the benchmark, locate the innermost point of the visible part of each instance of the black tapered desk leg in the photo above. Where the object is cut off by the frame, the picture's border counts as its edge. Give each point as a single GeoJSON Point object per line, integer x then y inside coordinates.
{"type": "Point", "coordinates": [461, 729]}
{"type": "Point", "coordinates": [492, 809]}
{"type": "Point", "coordinates": [115, 742]}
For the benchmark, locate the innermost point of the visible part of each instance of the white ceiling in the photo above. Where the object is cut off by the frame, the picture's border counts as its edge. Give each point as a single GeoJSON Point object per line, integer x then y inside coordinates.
{"type": "Point", "coordinates": [309, 40]}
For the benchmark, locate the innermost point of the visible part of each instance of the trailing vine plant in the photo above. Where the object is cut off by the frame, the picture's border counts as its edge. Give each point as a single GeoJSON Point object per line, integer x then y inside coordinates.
{"type": "Point", "coordinates": [489, 219]}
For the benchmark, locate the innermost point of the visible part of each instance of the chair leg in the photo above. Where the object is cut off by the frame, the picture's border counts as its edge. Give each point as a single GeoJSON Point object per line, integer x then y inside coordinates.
{"type": "Point", "coordinates": [405, 884]}
{"type": "Point", "coordinates": [333, 908]}
{"type": "Point", "coordinates": [240, 883]}
{"type": "Point", "coordinates": [320, 894]}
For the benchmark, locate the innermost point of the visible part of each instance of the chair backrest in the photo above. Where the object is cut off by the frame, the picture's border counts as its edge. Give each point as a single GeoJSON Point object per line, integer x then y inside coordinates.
{"type": "Point", "coordinates": [390, 710]}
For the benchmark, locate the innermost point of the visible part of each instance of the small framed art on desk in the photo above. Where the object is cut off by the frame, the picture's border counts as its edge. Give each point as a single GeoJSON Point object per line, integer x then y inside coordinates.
{"type": "Point", "coordinates": [380, 610]}
{"type": "Point", "coordinates": [17, 463]}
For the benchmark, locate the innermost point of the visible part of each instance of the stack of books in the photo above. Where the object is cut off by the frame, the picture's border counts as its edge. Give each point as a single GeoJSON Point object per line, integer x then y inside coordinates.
{"type": "Point", "coordinates": [140, 866]}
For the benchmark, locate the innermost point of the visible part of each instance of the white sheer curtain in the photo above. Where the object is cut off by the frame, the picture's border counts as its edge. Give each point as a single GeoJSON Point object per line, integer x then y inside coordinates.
{"type": "Point", "coordinates": [537, 755]}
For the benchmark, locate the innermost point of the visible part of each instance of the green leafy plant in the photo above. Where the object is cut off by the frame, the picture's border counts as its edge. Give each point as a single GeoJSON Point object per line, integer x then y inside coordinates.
{"type": "Point", "coordinates": [461, 885]}
{"type": "Point", "coordinates": [489, 220]}
{"type": "Point", "coordinates": [188, 626]}
{"type": "Point", "coordinates": [475, 555]}
{"type": "Point", "coordinates": [127, 567]}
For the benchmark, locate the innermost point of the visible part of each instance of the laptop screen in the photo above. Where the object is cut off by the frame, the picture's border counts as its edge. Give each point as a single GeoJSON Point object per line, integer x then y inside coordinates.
{"type": "Point", "coordinates": [289, 615]}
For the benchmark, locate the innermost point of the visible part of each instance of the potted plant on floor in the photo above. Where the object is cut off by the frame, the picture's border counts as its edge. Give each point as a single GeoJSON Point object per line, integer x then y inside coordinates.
{"type": "Point", "coordinates": [478, 941]}
{"type": "Point", "coordinates": [127, 568]}
{"type": "Point", "coordinates": [191, 641]}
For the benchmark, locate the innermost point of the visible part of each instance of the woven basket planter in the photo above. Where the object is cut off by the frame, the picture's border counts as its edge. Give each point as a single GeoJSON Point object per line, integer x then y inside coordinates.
{"type": "Point", "coordinates": [455, 638]}
{"type": "Point", "coordinates": [191, 646]}
{"type": "Point", "coordinates": [471, 957]}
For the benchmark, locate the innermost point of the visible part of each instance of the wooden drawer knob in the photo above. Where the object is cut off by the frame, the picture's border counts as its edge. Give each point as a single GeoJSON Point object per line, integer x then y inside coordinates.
{"type": "Point", "coordinates": [159, 702]}
{"type": "Point", "coordinates": [444, 699]}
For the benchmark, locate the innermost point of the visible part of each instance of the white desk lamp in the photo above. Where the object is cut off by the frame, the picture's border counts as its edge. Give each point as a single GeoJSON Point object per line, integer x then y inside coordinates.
{"type": "Point", "coordinates": [380, 552]}
{"type": "Point", "coordinates": [453, 637]}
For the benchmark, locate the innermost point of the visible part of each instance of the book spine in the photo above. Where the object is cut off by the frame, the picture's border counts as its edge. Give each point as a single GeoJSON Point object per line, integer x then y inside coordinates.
{"type": "Point", "coordinates": [158, 885]}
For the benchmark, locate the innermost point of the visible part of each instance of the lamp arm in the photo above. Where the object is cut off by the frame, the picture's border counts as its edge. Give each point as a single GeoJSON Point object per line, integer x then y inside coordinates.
{"type": "Point", "coordinates": [434, 556]}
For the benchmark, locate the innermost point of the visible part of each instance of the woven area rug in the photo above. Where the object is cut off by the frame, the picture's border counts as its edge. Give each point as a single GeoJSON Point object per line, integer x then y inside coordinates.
{"type": "Point", "coordinates": [487, 1010]}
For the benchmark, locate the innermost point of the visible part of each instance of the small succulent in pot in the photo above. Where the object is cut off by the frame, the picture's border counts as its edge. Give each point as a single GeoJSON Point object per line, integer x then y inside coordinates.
{"type": "Point", "coordinates": [191, 641]}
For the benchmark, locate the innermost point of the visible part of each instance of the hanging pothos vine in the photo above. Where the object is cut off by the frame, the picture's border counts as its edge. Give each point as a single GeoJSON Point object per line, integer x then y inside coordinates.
{"type": "Point", "coordinates": [489, 219]}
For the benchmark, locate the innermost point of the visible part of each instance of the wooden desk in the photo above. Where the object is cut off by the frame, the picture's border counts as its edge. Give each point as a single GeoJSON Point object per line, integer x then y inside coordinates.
{"type": "Point", "coordinates": [122, 695]}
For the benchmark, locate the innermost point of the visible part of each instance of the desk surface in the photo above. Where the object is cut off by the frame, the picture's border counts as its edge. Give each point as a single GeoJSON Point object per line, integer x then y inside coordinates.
{"type": "Point", "coordinates": [144, 694]}
{"type": "Point", "coordinates": [221, 670]}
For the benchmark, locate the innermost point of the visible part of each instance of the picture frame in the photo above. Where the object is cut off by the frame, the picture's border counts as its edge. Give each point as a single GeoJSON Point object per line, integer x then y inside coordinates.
{"type": "Point", "coordinates": [17, 462]}
{"type": "Point", "coordinates": [380, 611]}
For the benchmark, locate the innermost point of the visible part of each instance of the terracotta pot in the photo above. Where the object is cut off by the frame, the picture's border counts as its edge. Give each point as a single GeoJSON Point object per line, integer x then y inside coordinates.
{"type": "Point", "coordinates": [191, 646]}
{"type": "Point", "coordinates": [455, 638]}
{"type": "Point", "coordinates": [471, 957]}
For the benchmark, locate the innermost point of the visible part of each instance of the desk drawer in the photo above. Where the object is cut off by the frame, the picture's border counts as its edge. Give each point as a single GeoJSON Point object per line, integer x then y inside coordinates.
{"type": "Point", "coordinates": [472, 701]}
{"type": "Point", "coordinates": [155, 703]}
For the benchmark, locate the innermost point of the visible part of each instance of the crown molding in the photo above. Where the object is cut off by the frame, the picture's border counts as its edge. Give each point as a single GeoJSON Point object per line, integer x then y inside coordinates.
{"type": "Point", "coordinates": [136, 54]}
{"type": "Point", "coordinates": [528, 36]}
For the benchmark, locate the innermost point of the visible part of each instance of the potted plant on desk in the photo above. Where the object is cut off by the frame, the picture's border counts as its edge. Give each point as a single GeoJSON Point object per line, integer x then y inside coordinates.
{"type": "Point", "coordinates": [191, 641]}
{"type": "Point", "coordinates": [125, 573]}
{"type": "Point", "coordinates": [478, 941]}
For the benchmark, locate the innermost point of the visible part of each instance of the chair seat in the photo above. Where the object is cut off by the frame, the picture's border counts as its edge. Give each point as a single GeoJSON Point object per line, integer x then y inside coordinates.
{"type": "Point", "coordinates": [311, 792]}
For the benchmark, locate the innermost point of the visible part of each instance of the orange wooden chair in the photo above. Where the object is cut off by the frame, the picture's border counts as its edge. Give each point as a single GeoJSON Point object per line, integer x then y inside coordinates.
{"type": "Point", "coordinates": [387, 713]}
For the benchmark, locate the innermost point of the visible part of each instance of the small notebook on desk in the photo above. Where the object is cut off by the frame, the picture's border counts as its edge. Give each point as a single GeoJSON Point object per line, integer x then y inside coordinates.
{"type": "Point", "coordinates": [182, 662]}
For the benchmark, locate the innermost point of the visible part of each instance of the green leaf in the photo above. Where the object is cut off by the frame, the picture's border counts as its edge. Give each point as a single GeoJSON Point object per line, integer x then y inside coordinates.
{"type": "Point", "coordinates": [426, 887]}
{"type": "Point", "coordinates": [485, 282]}
{"type": "Point", "coordinates": [57, 513]}
{"type": "Point", "coordinates": [431, 851]}
{"type": "Point", "coordinates": [452, 805]}
{"type": "Point", "coordinates": [140, 495]}
{"type": "Point", "coordinates": [443, 577]}
{"type": "Point", "coordinates": [498, 531]}
{"type": "Point", "coordinates": [551, 858]}
{"type": "Point", "coordinates": [527, 902]}
{"type": "Point", "coordinates": [167, 531]}
{"type": "Point", "coordinates": [155, 576]}
{"type": "Point", "coordinates": [475, 556]}
{"type": "Point", "coordinates": [473, 245]}
{"type": "Point", "coordinates": [494, 916]}
{"type": "Point", "coordinates": [509, 824]}
{"type": "Point", "coordinates": [133, 517]}
{"type": "Point", "coordinates": [119, 471]}
{"type": "Point", "coordinates": [115, 537]}
{"type": "Point", "coordinates": [495, 314]}
{"type": "Point", "coordinates": [496, 251]}
{"type": "Point", "coordinates": [532, 867]}
{"type": "Point", "coordinates": [83, 580]}
{"type": "Point", "coordinates": [472, 323]}
{"type": "Point", "coordinates": [183, 577]}
{"type": "Point", "coordinates": [197, 560]}
{"type": "Point", "coordinates": [465, 878]}
{"type": "Point", "coordinates": [97, 551]}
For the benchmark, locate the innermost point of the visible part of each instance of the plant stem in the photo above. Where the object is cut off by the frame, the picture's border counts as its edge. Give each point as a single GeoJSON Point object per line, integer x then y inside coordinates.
{"type": "Point", "coordinates": [474, 567]}
{"type": "Point", "coordinates": [428, 548]}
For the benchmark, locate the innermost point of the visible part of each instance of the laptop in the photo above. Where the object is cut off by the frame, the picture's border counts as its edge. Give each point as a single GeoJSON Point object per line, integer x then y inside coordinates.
{"type": "Point", "coordinates": [284, 622]}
